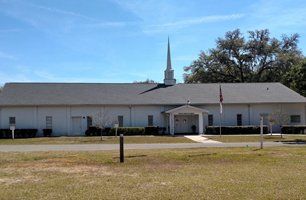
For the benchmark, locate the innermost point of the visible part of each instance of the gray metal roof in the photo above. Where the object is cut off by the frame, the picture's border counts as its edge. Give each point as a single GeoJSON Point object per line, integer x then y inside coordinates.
{"type": "Point", "coordinates": [17, 94]}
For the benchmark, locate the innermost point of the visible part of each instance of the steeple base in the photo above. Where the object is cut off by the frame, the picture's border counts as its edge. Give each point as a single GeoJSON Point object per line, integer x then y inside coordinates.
{"type": "Point", "coordinates": [169, 81]}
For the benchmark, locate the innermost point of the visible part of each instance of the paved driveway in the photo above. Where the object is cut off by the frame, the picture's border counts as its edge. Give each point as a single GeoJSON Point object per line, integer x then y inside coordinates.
{"type": "Point", "coordinates": [106, 147]}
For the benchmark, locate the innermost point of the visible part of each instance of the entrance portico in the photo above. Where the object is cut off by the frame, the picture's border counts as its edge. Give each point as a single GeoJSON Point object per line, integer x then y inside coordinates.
{"type": "Point", "coordinates": [184, 117]}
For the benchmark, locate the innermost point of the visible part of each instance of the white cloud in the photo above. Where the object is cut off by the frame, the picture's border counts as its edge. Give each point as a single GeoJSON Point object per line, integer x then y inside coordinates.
{"type": "Point", "coordinates": [199, 20]}
{"type": "Point", "coordinates": [111, 76]}
{"type": "Point", "coordinates": [16, 77]}
{"type": "Point", "coordinates": [45, 76]}
{"type": "Point", "coordinates": [52, 20]}
{"type": "Point", "coordinates": [64, 12]}
{"type": "Point", "coordinates": [190, 22]}
{"type": "Point", "coordinates": [279, 17]}
{"type": "Point", "coordinates": [97, 22]}
{"type": "Point", "coordinates": [106, 24]}
{"type": "Point", "coordinates": [151, 10]}
{"type": "Point", "coordinates": [166, 16]}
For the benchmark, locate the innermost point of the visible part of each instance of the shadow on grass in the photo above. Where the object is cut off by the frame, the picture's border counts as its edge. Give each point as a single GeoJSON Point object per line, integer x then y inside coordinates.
{"type": "Point", "coordinates": [296, 141]}
{"type": "Point", "coordinates": [202, 154]}
{"type": "Point", "coordinates": [134, 156]}
{"type": "Point", "coordinates": [257, 149]}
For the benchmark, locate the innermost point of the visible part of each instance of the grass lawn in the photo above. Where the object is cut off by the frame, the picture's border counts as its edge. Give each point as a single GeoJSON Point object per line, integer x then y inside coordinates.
{"type": "Point", "coordinates": [97, 140]}
{"type": "Point", "coordinates": [208, 173]}
{"type": "Point", "coordinates": [256, 138]}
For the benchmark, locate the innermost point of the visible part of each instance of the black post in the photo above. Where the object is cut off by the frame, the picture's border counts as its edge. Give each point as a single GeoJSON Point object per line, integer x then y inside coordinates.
{"type": "Point", "coordinates": [101, 134]}
{"type": "Point", "coordinates": [121, 148]}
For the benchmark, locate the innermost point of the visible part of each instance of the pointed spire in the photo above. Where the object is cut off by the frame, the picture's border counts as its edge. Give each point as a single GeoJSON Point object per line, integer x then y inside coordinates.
{"type": "Point", "coordinates": [169, 56]}
{"type": "Point", "coordinates": [169, 72]}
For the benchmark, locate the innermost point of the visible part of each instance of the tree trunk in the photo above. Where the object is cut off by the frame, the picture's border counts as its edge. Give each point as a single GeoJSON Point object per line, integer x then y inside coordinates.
{"type": "Point", "coordinates": [101, 135]}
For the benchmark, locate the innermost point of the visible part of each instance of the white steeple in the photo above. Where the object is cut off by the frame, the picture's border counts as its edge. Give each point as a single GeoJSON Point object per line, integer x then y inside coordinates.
{"type": "Point", "coordinates": [169, 72]}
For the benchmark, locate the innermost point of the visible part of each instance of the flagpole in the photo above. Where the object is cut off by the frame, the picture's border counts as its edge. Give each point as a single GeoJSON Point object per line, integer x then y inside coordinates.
{"type": "Point", "coordinates": [220, 129]}
{"type": "Point", "coordinates": [221, 110]}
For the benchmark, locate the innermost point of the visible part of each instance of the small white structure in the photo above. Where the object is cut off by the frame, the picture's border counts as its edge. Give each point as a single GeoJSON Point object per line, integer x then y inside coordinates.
{"type": "Point", "coordinates": [12, 128]}
{"type": "Point", "coordinates": [70, 108]}
{"type": "Point", "coordinates": [182, 118]}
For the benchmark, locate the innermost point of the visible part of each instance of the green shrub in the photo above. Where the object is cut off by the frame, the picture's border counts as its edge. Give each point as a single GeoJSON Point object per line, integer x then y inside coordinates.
{"type": "Point", "coordinates": [93, 131]}
{"type": "Point", "coordinates": [47, 132]}
{"type": "Point", "coordinates": [5, 133]}
{"type": "Point", "coordinates": [235, 130]}
{"type": "Point", "coordinates": [149, 130]}
{"type": "Point", "coordinates": [152, 130]}
{"type": "Point", "coordinates": [19, 133]}
{"type": "Point", "coordinates": [293, 129]}
{"type": "Point", "coordinates": [96, 131]}
{"type": "Point", "coordinates": [128, 131]}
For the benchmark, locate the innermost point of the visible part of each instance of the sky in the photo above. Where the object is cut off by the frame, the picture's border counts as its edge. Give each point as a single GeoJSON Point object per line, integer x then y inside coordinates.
{"type": "Point", "coordinates": [126, 40]}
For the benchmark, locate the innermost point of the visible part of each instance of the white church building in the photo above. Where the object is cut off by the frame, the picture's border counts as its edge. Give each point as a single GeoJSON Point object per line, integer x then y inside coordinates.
{"type": "Point", "coordinates": [70, 108]}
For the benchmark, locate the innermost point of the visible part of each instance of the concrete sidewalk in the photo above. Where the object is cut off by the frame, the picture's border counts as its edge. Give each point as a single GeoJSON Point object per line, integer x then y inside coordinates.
{"type": "Point", "coordinates": [108, 147]}
{"type": "Point", "coordinates": [201, 139]}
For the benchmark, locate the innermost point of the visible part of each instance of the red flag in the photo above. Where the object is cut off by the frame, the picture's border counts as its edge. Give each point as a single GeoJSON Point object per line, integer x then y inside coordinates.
{"type": "Point", "coordinates": [221, 100]}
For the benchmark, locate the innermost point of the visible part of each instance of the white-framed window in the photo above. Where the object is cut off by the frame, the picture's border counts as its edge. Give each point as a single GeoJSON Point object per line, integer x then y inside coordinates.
{"type": "Point", "coordinates": [150, 120]}
{"type": "Point", "coordinates": [239, 119]}
{"type": "Point", "coordinates": [12, 121]}
{"type": "Point", "coordinates": [295, 118]}
{"type": "Point", "coordinates": [120, 120]}
{"type": "Point", "coordinates": [48, 122]}
{"type": "Point", "coordinates": [210, 120]}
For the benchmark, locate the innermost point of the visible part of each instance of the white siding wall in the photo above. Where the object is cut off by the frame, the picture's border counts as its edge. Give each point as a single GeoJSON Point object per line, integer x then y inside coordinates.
{"type": "Point", "coordinates": [25, 117]}
{"type": "Point", "coordinates": [229, 116]}
{"type": "Point", "coordinates": [251, 113]}
{"type": "Point", "coordinates": [258, 109]}
{"type": "Point", "coordinates": [110, 114]}
{"type": "Point", "coordinates": [294, 109]}
{"type": "Point", "coordinates": [59, 120]}
{"type": "Point", "coordinates": [115, 111]}
{"type": "Point", "coordinates": [140, 115]}
{"type": "Point", "coordinates": [35, 117]}
{"type": "Point", "coordinates": [82, 112]}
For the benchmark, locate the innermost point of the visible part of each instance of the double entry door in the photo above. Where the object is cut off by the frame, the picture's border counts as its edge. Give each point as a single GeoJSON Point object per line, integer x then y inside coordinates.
{"type": "Point", "coordinates": [184, 123]}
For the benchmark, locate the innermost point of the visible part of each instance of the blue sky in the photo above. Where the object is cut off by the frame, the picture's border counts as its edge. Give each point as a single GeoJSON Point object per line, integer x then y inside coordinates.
{"type": "Point", "coordinates": [126, 40]}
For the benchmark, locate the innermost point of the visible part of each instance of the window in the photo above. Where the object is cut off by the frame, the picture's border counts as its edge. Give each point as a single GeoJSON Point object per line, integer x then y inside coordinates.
{"type": "Point", "coordinates": [89, 121]}
{"type": "Point", "coordinates": [239, 120]}
{"type": "Point", "coordinates": [210, 120]}
{"type": "Point", "coordinates": [12, 120]}
{"type": "Point", "coordinates": [48, 122]}
{"type": "Point", "coordinates": [295, 118]}
{"type": "Point", "coordinates": [120, 120]}
{"type": "Point", "coordinates": [150, 120]}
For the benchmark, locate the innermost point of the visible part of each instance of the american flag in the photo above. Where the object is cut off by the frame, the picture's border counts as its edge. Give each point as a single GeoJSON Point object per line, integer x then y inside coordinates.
{"type": "Point", "coordinates": [221, 100]}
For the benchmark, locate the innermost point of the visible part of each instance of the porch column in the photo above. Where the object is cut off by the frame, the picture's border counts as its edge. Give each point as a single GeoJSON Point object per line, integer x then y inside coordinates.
{"type": "Point", "coordinates": [171, 123]}
{"type": "Point", "coordinates": [201, 130]}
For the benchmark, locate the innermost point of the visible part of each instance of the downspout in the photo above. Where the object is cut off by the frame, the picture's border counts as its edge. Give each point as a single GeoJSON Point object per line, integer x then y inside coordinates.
{"type": "Point", "coordinates": [36, 114]}
{"type": "Point", "coordinates": [130, 107]}
{"type": "Point", "coordinates": [0, 118]}
{"type": "Point", "coordinates": [67, 122]}
{"type": "Point", "coordinates": [249, 113]}
{"type": "Point", "coordinates": [305, 117]}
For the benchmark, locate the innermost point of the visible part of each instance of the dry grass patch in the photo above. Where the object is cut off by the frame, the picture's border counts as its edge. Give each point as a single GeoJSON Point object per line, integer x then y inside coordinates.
{"type": "Point", "coordinates": [208, 173]}
{"type": "Point", "coordinates": [256, 138]}
{"type": "Point", "coordinates": [97, 140]}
